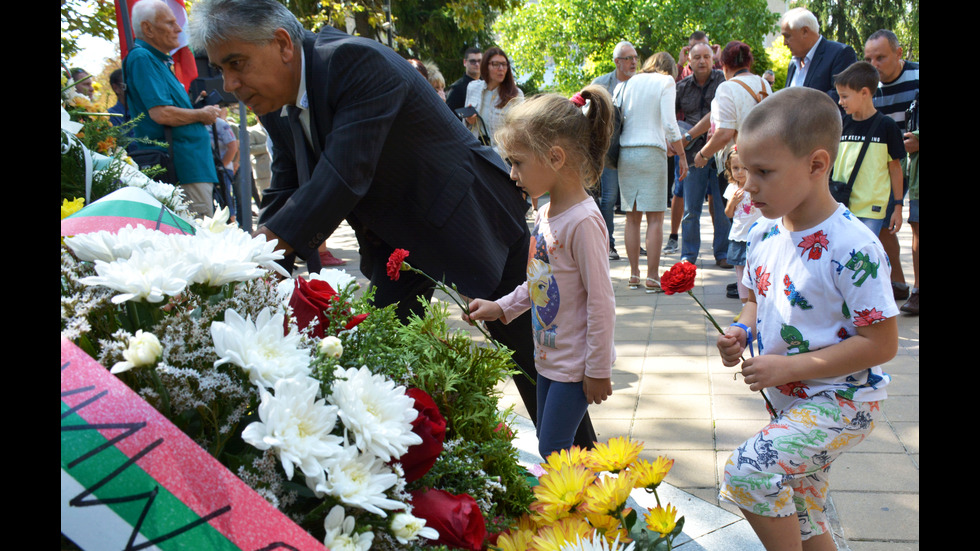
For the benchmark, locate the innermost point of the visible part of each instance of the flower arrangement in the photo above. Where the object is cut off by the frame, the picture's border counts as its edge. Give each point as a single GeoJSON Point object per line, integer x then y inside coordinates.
{"type": "Point", "coordinates": [369, 433]}
{"type": "Point", "coordinates": [94, 150]}
{"type": "Point", "coordinates": [580, 503]}
{"type": "Point", "coordinates": [680, 278]}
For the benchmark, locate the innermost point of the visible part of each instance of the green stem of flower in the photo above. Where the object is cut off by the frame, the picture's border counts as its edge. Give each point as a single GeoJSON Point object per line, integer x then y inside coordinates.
{"type": "Point", "coordinates": [452, 295]}
{"type": "Point", "coordinates": [708, 315]}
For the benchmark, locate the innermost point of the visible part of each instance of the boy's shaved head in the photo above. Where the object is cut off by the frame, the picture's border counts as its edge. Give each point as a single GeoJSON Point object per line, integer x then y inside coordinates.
{"type": "Point", "coordinates": [803, 119]}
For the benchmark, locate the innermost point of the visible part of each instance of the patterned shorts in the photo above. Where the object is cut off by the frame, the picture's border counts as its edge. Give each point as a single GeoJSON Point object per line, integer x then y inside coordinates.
{"type": "Point", "coordinates": [784, 469]}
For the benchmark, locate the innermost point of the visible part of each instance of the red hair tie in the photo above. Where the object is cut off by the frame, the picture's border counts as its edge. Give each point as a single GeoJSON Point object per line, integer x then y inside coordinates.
{"type": "Point", "coordinates": [578, 100]}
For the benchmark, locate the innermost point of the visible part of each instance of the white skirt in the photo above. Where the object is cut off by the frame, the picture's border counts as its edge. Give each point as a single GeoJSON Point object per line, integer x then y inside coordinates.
{"type": "Point", "coordinates": [643, 178]}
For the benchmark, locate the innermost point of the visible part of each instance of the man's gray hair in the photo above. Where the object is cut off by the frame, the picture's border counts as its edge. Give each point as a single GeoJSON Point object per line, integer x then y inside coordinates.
{"type": "Point", "coordinates": [798, 18]}
{"type": "Point", "coordinates": [618, 50]}
{"type": "Point", "coordinates": [255, 21]}
{"type": "Point", "coordinates": [887, 35]}
{"type": "Point", "coordinates": [146, 10]}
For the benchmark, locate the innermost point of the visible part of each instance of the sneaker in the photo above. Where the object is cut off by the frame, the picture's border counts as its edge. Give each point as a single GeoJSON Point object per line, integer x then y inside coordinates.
{"type": "Point", "coordinates": [327, 259]}
{"type": "Point", "coordinates": [912, 306]}
{"type": "Point", "coordinates": [901, 290]}
{"type": "Point", "coordinates": [671, 246]}
{"type": "Point", "coordinates": [643, 252]}
{"type": "Point", "coordinates": [732, 291]}
{"type": "Point", "coordinates": [613, 255]}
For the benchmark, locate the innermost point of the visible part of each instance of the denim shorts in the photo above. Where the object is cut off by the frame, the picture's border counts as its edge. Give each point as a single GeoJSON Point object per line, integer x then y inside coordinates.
{"type": "Point", "coordinates": [736, 252]}
{"type": "Point", "coordinates": [914, 210]}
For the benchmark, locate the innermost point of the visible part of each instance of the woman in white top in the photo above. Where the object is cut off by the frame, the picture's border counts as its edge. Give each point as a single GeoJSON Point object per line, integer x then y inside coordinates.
{"type": "Point", "coordinates": [734, 99]}
{"type": "Point", "coordinates": [492, 94]}
{"type": "Point", "coordinates": [649, 130]}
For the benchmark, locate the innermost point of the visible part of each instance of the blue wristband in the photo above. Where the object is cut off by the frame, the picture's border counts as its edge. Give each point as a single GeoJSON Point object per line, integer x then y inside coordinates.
{"type": "Point", "coordinates": [748, 331]}
{"type": "Point", "coordinates": [748, 336]}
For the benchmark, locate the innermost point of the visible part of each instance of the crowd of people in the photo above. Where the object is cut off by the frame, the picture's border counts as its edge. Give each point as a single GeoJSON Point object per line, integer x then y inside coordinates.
{"type": "Point", "coordinates": [357, 135]}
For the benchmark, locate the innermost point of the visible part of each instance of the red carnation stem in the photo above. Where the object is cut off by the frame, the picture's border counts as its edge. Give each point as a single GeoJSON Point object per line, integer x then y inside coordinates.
{"type": "Point", "coordinates": [769, 408]}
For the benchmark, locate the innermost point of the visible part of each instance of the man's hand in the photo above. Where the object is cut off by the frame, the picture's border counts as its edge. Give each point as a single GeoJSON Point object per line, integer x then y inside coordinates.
{"type": "Point", "coordinates": [269, 236]}
{"type": "Point", "coordinates": [911, 143]}
{"type": "Point", "coordinates": [209, 114]}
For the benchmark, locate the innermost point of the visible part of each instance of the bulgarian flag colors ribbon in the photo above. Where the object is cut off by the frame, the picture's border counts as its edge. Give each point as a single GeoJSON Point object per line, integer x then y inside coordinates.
{"type": "Point", "coordinates": [126, 206]}
{"type": "Point", "coordinates": [130, 479]}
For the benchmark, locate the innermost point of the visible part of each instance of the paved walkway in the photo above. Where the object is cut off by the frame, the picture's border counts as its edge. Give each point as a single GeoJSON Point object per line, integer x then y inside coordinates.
{"type": "Point", "coordinates": [671, 391]}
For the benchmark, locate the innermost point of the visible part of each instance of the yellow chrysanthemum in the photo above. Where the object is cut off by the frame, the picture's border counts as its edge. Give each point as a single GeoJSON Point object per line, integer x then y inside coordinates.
{"type": "Point", "coordinates": [69, 208]}
{"type": "Point", "coordinates": [649, 475]}
{"type": "Point", "coordinates": [615, 455]}
{"type": "Point", "coordinates": [662, 520]}
{"type": "Point", "coordinates": [573, 456]}
{"type": "Point", "coordinates": [563, 532]}
{"type": "Point", "coordinates": [610, 527]}
{"type": "Point", "coordinates": [515, 540]}
{"type": "Point", "coordinates": [608, 496]}
{"type": "Point", "coordinates": [559, 492]}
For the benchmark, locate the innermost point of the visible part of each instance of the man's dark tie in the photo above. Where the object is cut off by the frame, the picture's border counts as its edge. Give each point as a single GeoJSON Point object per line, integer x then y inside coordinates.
{"type": "Point", "coordinates": [299, 145]}
{"type": "Point", "coordinates": [302, 173]}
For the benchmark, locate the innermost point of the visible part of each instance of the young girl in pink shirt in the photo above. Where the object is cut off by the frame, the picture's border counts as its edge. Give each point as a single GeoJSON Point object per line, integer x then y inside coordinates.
{"type": "Point", "coordinates": [557, 146]}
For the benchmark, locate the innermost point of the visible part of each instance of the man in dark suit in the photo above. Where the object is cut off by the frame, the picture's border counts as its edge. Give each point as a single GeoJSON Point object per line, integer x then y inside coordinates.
{"type": "Point", "coordinates": [457, 90]}
{"type": "Point", "coordinates": [815, 59]}
{"type": "Point", "coordinates": [359, 134]}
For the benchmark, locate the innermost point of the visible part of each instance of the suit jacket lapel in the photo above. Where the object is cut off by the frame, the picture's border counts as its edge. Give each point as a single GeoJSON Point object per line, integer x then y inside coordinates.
{"type": "Point", "coordinates": [312, 91]}
{"type": "Point", "coordinates": [815, 62]}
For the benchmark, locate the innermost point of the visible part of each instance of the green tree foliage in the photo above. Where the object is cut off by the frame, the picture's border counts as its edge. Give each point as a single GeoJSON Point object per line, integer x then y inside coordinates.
{"type": "Point", "coordinates": [85, 17]}
{"type": "Point", "coordinates": [576, 38]}
{"type": "Point", "coordinates": [436, 30]}
{"type": "Point", "coordinates": [852, 22]}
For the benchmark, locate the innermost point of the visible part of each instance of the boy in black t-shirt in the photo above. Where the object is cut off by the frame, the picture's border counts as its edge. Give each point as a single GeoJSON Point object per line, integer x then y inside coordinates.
{"type": "Point", "coordinates": [879, 179]}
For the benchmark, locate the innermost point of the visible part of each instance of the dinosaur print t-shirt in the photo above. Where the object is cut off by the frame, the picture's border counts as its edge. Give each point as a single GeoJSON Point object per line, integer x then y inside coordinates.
{"type": "Point", "coordinates": [814, 288]}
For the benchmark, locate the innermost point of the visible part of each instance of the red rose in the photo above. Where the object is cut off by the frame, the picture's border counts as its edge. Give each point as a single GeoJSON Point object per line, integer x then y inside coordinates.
{"type": "Point", "coordinates": [457, 518]}
{"type": "Point", "coordinates": [395, 263]}
{"type": "Point", "coordinates": [431, 426]}
{"type": "Point", "coordinates": [312, 300]}
{"type": "Point", "coordinates": [309, 301]}
{"type": "Point", "coordinates": [679, 278]}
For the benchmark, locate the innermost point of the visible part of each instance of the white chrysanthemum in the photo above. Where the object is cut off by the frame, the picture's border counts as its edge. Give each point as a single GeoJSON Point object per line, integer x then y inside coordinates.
{"type": "Point", "coordinates": [297, 426]}
{"type": "Point", "coordinates": [149, 276]}
{"type": "Point", "coordinates": [407, 527]}
{"type": "Point", "coordinates": [217, 223]}
{"type": "Point", "coordinates": [223, 257]}
{"type": "Point", "coordinates": [260, 348]}
{"type": "Point", "coordinates": [378, 413]}
{"type": "Point", "coordinates": [340, 533]}
{"type": "Point", "coordinates": [598, 543]}
{"type": "Point", "coordinates": [338, 279]}
{"type": "Point", "coordinates": [144, 349]}
{"type": "Point", "coordinates": [359, 480]}
{"type": "Point", "coordinates": [111, 246]}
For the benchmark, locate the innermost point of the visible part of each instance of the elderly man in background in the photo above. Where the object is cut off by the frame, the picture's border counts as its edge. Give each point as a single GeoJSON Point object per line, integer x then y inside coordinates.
{"type": "Point", "coordinates": [815, 59]}
{"type": "Point", "coordinates": [625, 58]}
{"type": "Point", "coordinates": [153, 91]}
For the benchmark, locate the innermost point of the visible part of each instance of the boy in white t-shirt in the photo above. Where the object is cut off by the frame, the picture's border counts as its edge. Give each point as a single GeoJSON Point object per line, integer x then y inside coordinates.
{"type": "Point", "coordinates": [822, 314]}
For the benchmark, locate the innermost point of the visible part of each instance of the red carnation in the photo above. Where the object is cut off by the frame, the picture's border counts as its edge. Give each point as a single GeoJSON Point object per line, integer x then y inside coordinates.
{"type": "Point", "coordinates": [395, 263]}
{"type": "Point", "coordinates": [430, 425]}
{"type": "Point", "coordinates": [679, 278]}
{"type": "Point", "coordinates": [457, 518]}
